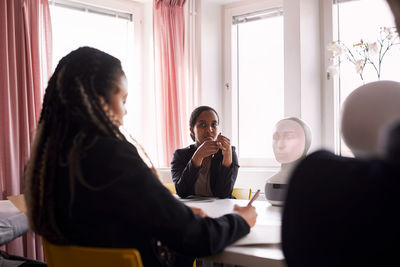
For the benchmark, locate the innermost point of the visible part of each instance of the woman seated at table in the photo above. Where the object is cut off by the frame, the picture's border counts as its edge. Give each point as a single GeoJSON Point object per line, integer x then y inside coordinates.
{"type": "Point", "coordinates": [210, 166]}
{"type": "Point", "coordinates": [86, 185]}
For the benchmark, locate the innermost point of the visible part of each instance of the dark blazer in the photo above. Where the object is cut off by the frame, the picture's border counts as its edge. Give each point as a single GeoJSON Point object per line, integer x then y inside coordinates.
{"type": "Point", "coordinates": [342, 212]}
{"type": "Point", "coordinates": [185, 174]}
{"type": "Point", "coordinates": [128, 207]}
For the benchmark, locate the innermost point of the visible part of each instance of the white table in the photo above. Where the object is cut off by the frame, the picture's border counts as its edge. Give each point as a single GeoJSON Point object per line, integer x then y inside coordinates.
{"type": "Point", "coordinates": [266, 255]}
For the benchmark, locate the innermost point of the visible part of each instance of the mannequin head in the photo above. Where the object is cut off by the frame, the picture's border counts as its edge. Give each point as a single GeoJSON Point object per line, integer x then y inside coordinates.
{"type": "Point", "coordinates": [395, 7]}
{"type": "Point", "coordinates": [291, 140]}
{"type": "Point", "coordinates": [366, 115]}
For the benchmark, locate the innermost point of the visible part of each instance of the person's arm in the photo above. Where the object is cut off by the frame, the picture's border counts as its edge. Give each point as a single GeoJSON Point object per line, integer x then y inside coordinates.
{"type": "Point", "coordinates": [226, 177]}
{"type": "Point", "coordinates": [184, 173]}
{"type": "Point", "coordinates": [164, 217]}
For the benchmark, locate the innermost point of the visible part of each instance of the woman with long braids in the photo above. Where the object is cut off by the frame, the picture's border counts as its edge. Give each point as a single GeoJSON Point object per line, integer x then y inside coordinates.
{"type": "Point", "coordinates": [86, 185]}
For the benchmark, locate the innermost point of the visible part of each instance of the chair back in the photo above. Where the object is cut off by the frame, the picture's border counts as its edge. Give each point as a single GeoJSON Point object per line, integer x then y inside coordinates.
{"type": "Point", "coordinates": [171, 187]}
{"type": "Point", "coordinates": [77, 256]}
{"type": "Point", "coordinates": [238, 193]}
{"type": "Point", "coordinates": [241, 193]}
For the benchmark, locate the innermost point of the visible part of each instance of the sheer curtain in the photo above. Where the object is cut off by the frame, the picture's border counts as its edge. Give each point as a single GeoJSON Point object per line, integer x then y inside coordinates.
{"type": "Point", "coordinates": [25, 58]}
{"type": "Point", "coordinates": [170, 76]}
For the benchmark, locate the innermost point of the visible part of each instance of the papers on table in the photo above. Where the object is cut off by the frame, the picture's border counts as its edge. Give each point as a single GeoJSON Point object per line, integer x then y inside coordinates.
{"type": "Point", "coordinates": [261, 234]}
{"type": "Point", "coordinates": [268, 226]}
{"type": "Point", "coordinates": [19, 202]}
{"type": "Point", "coordinates": [13, 223]}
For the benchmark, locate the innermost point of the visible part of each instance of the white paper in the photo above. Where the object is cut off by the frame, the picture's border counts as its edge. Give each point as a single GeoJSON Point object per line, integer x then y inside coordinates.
{"type": "Point", "coordinates": [261, 234]}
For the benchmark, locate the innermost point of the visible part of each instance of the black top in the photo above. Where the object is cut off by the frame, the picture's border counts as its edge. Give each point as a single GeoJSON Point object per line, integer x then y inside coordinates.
{"type": "Point", "coordinates": [185, 174]}
{"type": "Point", "coordinates": [130, 208]}
{"type": "Point", "coordinates": [342, 212]}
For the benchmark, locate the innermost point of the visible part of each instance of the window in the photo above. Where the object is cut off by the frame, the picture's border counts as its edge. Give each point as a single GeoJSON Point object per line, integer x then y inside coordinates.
{"type": "Point", "coordinates": [118, 29]}
{"type": "Point", "coordinates": [257, 82]}
{"type": "Point", "coordinates": [75, 25]}
{"type": "Point", "coordinates": [354, 21]}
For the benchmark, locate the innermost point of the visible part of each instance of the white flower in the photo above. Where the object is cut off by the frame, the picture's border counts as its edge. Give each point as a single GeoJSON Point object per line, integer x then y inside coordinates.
{"type": "Point", "coordinates": [363, 53]}
{"type": "Point", "coordinates": [386, 30]}
{"type": "Point", "coordinates": [373, 48]}
{"type": "Point", "coordinates": [389, 32]}
{"type": "Point", "coordinates": [359, 65]}
{"type": "Point", "coordinates": [335, 48]}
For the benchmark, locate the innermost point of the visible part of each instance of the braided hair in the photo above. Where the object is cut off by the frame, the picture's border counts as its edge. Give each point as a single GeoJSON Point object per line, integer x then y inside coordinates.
{"type": "Point", "coordinates": [72, 111]}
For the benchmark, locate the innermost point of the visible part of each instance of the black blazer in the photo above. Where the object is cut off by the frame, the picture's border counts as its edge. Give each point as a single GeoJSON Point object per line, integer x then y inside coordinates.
{"type": "Point", "coordinates": [342, 212]}
{"type": "Point", "coordinates": [185, 174]}
{"type": "Point", "coordinates": [130, 208]}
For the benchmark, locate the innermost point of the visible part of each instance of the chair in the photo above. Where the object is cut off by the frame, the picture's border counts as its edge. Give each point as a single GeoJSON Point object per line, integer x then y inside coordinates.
{"type": "Point", "coordinates": [77, 256]}
{"type": "Point", "coordinates": [238, 193]}
{"type": "Point", "coordinates": [171, 187]}
{"type": "Point", "coordinates": [241, 193]}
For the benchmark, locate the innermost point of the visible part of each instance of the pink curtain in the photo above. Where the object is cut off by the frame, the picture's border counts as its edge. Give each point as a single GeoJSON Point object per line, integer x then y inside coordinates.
{"type": "Point", "coordinates": [25, 36]}
{"type": "Point", "coordinates": [169, 58]}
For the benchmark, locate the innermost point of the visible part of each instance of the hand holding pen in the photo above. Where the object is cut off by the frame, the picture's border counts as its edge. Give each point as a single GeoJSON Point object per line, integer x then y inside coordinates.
{"type": "Point", "coordinates": [248, 212]}
{"type": "Point", "coordinates": [254, 197]}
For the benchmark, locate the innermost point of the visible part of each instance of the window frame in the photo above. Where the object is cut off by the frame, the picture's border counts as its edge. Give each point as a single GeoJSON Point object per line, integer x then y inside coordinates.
{"type": "Point", "coordinates": [143, 68]}
{"type": "Point", "coordinates": [330, 131]}
{"type": "Point", "coordinates": [229, 94]}
{"type": "Point", "coordinates": [134, 8]}
{"type": "Point", "coordinates": [308, 93]}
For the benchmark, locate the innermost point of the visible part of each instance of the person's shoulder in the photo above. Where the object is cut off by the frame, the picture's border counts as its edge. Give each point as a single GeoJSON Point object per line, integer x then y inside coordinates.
{"type": "Point", "coordinates": [108, 160]}
{"type": "Point", "coordinates": [329, 169]}
{"type": "Point", "coordinates": [321, 163]}
{"type": "Point", "coordinates": [182, 155]}
{"type": "Point", "coordinates": [184, 150]}
{"type": "Point", "coordinates": [110, 143]}
{"type": "Point", "coordinates": [109, 147]}
{"type": "Point", "coordinates": [323, 156]}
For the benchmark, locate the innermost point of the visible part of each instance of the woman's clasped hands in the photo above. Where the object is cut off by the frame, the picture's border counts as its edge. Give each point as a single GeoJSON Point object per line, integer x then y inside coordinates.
{"type": "Point", "coordinates": [210, 146]}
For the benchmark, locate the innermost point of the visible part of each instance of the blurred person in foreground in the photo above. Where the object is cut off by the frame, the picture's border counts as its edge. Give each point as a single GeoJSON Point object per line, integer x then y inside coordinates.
{"type": "Point", "coordinates": [342, 211]}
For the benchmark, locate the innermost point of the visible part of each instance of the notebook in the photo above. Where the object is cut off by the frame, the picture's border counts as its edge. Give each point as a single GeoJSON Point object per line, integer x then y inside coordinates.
{"type": "Point", "coordinates": [261, 234]}
{"type": "Point", "coordinates": [19, 202]}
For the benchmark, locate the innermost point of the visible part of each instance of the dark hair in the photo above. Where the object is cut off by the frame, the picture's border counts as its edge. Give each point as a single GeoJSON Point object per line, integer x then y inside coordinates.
{"type": "Point", "coordinates": [72, 115]}
{"type": "Point", "coordinates": [196, 113]}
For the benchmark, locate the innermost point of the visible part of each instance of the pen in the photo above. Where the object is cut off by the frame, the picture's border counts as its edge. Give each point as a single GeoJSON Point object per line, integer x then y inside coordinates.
{"type": "Point", "coordinates": [254, 197]}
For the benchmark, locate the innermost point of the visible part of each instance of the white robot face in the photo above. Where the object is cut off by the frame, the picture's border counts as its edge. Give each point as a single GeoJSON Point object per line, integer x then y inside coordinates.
{"type": "Point", "coordinates": [288, 141]}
